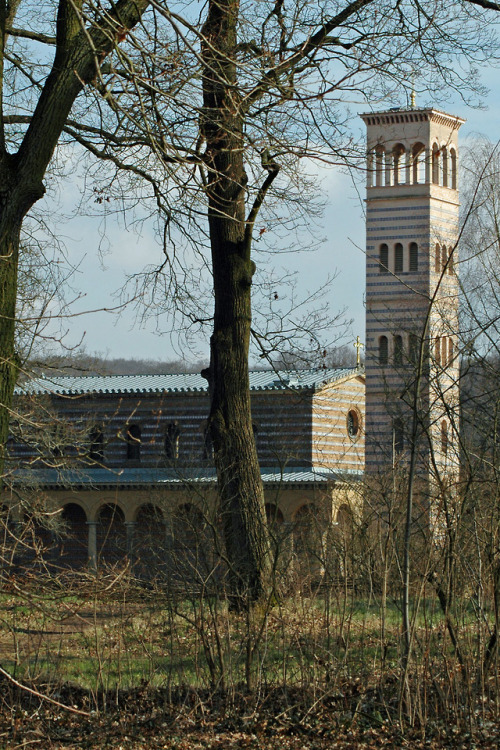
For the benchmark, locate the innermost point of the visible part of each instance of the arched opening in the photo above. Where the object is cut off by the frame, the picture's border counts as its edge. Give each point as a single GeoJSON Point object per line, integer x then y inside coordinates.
{"type": "Point", "coordinates": [344, 549]}
{"type": "Point", "coordinates": [453, 165]}
{"type": "Point", "coordinates": [398, 258]}
{"type": "Point", "coordinates": [398, 436]}
{"type": "Point", "coordinates": [149, 542]}
{"type": "Point", "coordinates": [96, 450]}
{"type": "Point", "coordinates": [208, 446]}
{"type": "Point", "coordinates": [273, 514]}
{"type": "Point", "coordinates": [353, 424]}
{"type": "Point", "coordinates": [370, 168]}
{"type": "Point", "coordinates": [37, 543]}
{"type": "Point", "coordinates": [172, 436]}
{"type": "Point", "coordinates": [379, 166]}
{"type": "Point", "coordinates": [399, 163]}
{"type": "Point", "coordinates": [414, 349]}
{"type": "Point", "coordinates": [450, 261]}
{"type": "Point", "coordinates": [398, 350]}
{"type": "Point", "coordinates": [59, 443]}
{"type": "Point", "coordinates": [9, 540]}
{"type": "Point", "coordinates": [344, 516]}
{"type": "Point", "coordinates": [418, 163]}
{"type": "Point", "coordinates": [383, 266]}
{"type": "Point", "coordinates": [111, 535]}
{"type": "Point", "coordinates": [133, 437]}
{"type": "Point", "coordinates": [450, 350]}
{"type": "Point", "coordinates": [413, 257]}
{"type": "Point", "coordinates": [444, 437]}
{"type": "Point", "coordinates": [73, 544]}
{"type": "Point", "coordinates": [437, 259]}
{"type": "Point", "coordinates": [435, 164]}
{"type": "Point", "coordinates": [444, 258]}
{"type": "Point", "coordinates": [444, 162]}
{"type": "Point", "coordinates": [383, 350]}
{"type": "Point", "coordinates": [307, 541]}
{"type": "Point", "coordinates": [191, 546]}
{"type": "Point", "coordinates": [437, 351]}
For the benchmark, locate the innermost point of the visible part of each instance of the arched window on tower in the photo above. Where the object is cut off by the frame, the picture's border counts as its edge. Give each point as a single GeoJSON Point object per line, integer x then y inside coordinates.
{"type": "Point", "coordinates": [444, 437]}
{"type": "Point", "coordinates": [437, 351]}
{"type": "Point", "coordinates": [450, 350]}
{"type": "Point", "coordinates": [398, 258]}
{"type": "Point", "coordinates": [444, 257]}
{"type": "Point", "coordinates": [399, 163]}
{"type": "Point", "coordinates": [437, 259]}
{"type": "Point", "coordinates": [413, 257]}
{"type": "Point", "coordinates": [383, 350]}
{"type": "Point", "coordinates": [444, 162]}
{"type": "Point", "coordinates": [379, 166]}
{"type": "Point", "coordinates": [398, 350]}
{"type": "Point", "coordinates": [133, 437]}
{"type": "Point", "coordinates": [414, 349]}
{"type": "Point", "coordinates": [450, 261]}
{"type": "Point", "coordinates": [418, 163]}
{"type": "Point", "coordinates": [383, 266]}
{"type": "Point", "coordinates": [435, 164]}
{"type": "Point", "coordinates": [453, 166]}
{"type": "Point", "coordinates": [370, 168]}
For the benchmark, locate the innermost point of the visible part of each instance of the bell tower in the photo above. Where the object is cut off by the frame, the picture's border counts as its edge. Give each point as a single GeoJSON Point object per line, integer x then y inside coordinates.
{"type": "Point", "coordinates": [412, 291]}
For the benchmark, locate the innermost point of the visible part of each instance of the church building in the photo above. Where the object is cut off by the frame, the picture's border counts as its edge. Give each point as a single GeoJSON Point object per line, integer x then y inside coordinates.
{"type": "Point", "coordinates": [115, 455]}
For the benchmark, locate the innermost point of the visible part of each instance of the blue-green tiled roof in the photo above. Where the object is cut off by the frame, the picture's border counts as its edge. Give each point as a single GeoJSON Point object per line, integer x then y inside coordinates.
{"type": "Point", "coordinates": [260, 380]}
{"type": "Point", "coordinates": [124, 478]}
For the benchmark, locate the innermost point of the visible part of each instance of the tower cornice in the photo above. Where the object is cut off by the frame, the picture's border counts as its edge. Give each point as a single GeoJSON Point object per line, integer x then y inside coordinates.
{"type": "Point", "coordinates": [398, 115]}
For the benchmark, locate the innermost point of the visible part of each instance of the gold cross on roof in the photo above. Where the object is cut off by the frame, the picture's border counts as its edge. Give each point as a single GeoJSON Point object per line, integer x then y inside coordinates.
{"type": "Point", "coordinates": [358, 346]}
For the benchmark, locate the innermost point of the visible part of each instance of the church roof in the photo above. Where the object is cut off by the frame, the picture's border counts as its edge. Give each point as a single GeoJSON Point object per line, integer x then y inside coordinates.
{"type": "Point", "coordinates": [173, 478]}
{"type": "Point", "coordinates": [260, 380]}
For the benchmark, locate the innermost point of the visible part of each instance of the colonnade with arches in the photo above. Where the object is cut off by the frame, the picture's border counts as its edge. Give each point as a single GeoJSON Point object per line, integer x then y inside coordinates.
{"type": "Point", "coordinates": [412, 164]}
{"type": "Point", "coordinates": [177, 537]}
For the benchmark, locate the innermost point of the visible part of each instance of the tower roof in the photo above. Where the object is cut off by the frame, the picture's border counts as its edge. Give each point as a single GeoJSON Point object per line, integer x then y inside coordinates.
{"type": "Point", "coordinates": [397, 115]}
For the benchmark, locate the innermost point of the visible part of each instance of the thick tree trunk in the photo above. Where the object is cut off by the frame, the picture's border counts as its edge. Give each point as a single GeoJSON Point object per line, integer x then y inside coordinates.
{"type": "Point", "coordinates": [15, 201]}
{"type": "Point", "coordinates": [230, 422]}
{"type": "Point", "coordinates": [78, 52]}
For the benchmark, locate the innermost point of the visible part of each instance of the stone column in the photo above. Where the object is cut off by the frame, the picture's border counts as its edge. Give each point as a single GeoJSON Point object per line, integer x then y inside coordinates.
{"type": "Point", "coordinates": [129, 527]}
{"type": "Point", "coordinates": [287, 552]}
{"type": "Point", "coordinates": [92, 544]}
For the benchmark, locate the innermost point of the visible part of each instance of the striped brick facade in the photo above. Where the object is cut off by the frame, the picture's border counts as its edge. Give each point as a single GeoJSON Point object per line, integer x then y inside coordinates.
{"type": "Point", "coordinates": [297, 423]}
{"type": "Point", "coordinates": [411, 287]}
{"type": "Point", "coordinates": [309, 429]}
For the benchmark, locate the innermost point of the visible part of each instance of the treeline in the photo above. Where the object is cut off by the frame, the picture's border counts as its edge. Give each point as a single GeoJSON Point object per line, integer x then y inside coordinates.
{"type": "Point", "coordinates": [83, 363]}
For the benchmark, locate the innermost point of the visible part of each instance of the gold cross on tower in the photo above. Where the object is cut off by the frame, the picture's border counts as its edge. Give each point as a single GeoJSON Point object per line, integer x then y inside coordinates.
{"type": "Point", "coordinates": [358, 346]}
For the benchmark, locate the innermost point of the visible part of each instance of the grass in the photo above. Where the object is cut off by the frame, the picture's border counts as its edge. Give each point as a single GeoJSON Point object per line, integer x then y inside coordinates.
{"type": "Point", "coordinates": [120, 641]}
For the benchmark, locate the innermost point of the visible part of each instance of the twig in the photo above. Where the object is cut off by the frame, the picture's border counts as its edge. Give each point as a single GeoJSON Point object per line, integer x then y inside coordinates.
{"type": "Point", "coordinates": [42, 696]}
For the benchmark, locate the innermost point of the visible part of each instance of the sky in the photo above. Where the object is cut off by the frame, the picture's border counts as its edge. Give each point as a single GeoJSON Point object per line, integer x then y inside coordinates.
{"type": "Point", "coordinates": [117, 332]}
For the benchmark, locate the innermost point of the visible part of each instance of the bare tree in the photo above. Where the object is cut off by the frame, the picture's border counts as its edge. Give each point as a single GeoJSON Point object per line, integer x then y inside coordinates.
{"type": "Point", "coordinates": [213, 116]}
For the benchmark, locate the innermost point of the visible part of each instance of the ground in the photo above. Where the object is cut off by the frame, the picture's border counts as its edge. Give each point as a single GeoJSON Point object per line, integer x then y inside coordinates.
{"type": "Point", "coordinates": [119, 666]}
{"type": "Point", "coordinates": [144, 719]}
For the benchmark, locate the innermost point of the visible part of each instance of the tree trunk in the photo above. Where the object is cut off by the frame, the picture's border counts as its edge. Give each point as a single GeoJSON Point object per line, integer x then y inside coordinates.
{"type": "Point", "coordinates": [15, 202]}
{"type": "Point", "coordinates": [79, 50]}
{"type": "Point", "coordinates": [230, 423]}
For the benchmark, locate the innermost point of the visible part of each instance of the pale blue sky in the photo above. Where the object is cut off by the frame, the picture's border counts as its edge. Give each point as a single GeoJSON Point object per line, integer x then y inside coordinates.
{"type": "Point", "coordinates": [342, 252]}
